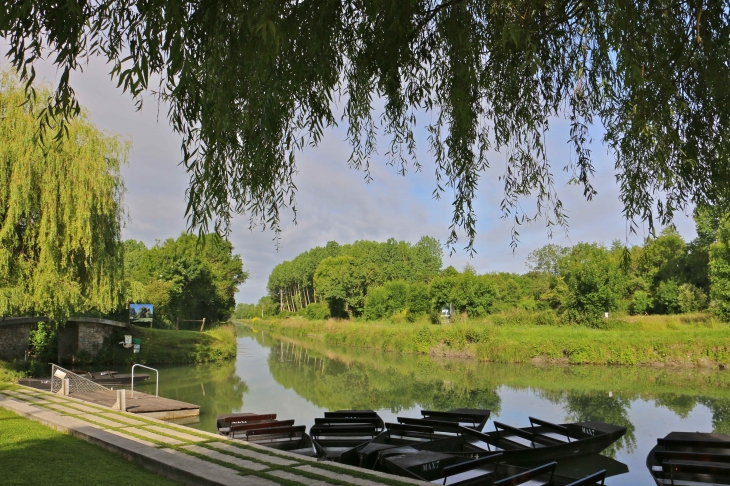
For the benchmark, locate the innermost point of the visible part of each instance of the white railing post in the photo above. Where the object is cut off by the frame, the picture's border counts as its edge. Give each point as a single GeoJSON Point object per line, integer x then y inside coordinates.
{"type": "Point", "coordinates": [157, 387]}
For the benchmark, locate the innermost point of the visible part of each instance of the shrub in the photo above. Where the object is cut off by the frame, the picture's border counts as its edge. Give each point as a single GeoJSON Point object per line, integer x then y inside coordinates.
{"type": "Point", "coordinates": [691, 298]}
{"type": "Point", "coordinates": [641, 302]}
{"type": "Point", "coordinates": [318, 311]}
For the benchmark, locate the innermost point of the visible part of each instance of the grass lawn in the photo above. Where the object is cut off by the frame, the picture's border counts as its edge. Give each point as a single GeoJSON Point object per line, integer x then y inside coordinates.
{"type": "Point", "coordinates": [33, 454]}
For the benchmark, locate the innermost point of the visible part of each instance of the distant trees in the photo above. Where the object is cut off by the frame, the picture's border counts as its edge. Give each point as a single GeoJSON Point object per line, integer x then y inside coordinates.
{"type": "Point", "coordinates": [185, 278]}
{"type": "Point", "coordinates": [264, 308]}
{"type": "Point", "coordinates": [339, 275]}
{"type": "Point", "coordinates": [719, 269]}
{"type": "Point", "coordinates": [577, 284]}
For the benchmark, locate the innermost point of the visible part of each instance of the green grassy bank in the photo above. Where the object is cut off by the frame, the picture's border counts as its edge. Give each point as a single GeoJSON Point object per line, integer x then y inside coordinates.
{"type": "Point", "coordinates": [34, 454]}
{"type": "Point", "coordinates": [160, 346]}
{"type": "Point", "coordinates": [684, 340]}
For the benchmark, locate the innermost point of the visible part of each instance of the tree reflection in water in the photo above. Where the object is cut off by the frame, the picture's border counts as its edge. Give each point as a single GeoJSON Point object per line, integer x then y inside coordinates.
{"type": "Point", "coordinates": [346, 378]}
{"type": "Point", "coordinates": [215, 387]}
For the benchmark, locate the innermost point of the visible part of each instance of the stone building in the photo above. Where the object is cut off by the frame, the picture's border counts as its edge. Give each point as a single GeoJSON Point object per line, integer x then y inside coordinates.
{"type": "Point", "coordinates": [15, 336]}
{"type": "Point", "coordinates": [83, 335]}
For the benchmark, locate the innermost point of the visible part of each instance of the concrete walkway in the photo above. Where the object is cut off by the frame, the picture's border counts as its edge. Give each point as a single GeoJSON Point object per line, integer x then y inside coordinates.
{"type": "Point", "coordinates": [188, 455]}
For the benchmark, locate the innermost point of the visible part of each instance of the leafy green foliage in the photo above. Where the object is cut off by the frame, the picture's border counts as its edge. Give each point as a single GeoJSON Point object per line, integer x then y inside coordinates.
{"type": "Point", "coordinates": [719, 272]}
{"type": "Point", "coordinates": [579, 284]}
{"type": "Point", "coordinates": [293, 284]}
{"type": "Point", "coordinates": [251, 83]}
{"type": "Point", "coordinates": [60, 213]}
{"type": "Point", "coordinates": [265, 307]}
{"type": "Point", "coordinates": [341, 284]}
{"type": "Point", "coordinates": [186, 278]}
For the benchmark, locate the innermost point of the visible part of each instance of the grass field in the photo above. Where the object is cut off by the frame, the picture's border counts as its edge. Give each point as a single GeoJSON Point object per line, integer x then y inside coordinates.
{"type": "Point", "coordinates": [32, 454]}
{"type": "Point", "coordinates": [682, 340]}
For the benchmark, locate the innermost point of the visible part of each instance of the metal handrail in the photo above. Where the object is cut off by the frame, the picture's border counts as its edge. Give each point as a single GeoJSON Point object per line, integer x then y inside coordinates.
{"type": "Point", "coordinates": [157, 387]}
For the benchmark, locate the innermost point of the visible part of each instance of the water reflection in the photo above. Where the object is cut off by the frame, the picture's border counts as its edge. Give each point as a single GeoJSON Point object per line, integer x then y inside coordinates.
{"type": "Point", "coordinates": [302, 379]}
{"type": "Point", "coordinates": [216, 388]}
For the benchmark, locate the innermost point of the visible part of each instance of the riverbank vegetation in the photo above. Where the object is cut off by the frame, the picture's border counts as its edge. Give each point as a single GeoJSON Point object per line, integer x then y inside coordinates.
{"type": "Point", "coordinates": [159, 347]}
{"type": "Point", "coordinates": [683, 340]}
{"type": "Point", "coordinates": [167, 347]}
{"type": "Point", "coordinates": [581, 285]}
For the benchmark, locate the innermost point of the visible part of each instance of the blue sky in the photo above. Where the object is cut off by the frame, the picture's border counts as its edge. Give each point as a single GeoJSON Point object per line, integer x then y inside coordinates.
{"type": "Point", "coordinates": [333, 201]}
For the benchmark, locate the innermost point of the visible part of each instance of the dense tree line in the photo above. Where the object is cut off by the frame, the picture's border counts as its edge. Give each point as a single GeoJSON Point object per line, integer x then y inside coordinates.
{"type": "Point", "coordinates": [578, 284]}
{"type": "Point", "coordinates": [184, 278]}
{"type": "Point", "coordinates": [339, 275]}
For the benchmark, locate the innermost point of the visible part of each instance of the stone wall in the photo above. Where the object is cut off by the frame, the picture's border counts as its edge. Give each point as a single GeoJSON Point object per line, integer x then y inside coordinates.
{"type": "Point", "coordinates": [14, 341]}
{"type": "Point", "coordinates": [68, 341]}
{"type": "Point", "coordinates": [91, 337]}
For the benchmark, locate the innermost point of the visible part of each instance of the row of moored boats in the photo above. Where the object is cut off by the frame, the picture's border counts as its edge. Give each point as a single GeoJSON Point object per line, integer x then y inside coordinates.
{"type": "Point", "coordinates": [453, 447]}
{"type": "Point", "coordinates": [448, 448]}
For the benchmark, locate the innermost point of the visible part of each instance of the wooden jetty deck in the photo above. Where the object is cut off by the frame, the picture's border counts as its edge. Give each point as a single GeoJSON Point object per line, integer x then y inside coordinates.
{"type": "Point", "coordinates": [143, 404]}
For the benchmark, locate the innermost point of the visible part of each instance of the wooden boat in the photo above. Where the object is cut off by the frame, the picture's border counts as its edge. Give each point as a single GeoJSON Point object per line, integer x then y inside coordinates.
{"type": "Point", "coordinates": [540, 443]}
{"type": "Point", "coordinates": [393, 440]}
{"type": "Point", "coordinates": [264, 429]}
{"type": "Point", "coordinates": [343, 430]}
{"type": "Point", "coordinates": [231, 423]}
{"type": "Point", "coordinates": [473, 418]}
{"type": "Point", "coordinates": [690, 459]}
{"type": "Point", "coordinates": [449, 470]}
{"type": "Point", "coordinates": [104, 378]}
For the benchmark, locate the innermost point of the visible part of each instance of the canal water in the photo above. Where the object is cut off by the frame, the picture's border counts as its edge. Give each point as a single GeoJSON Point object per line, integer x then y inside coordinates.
{"type": "Point", "coordinates": [301, 380]}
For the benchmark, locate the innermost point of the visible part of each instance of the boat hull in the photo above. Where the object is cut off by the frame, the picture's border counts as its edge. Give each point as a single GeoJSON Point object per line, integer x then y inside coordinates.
{"type": "Point", "coordinates": [597, 436]}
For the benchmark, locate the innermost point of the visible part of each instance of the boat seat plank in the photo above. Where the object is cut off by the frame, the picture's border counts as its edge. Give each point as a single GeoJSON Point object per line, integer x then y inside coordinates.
{"type": "Point", "coordinates": [403, 428]}
{"type": "Point", "coordinates": [347, 420]}
{"type": "Point", "coordinates": [240, 427]}
{"type": "Point", "coordinates": [591, 480]}
{"type": "Point", "coordinates": [562, 429]}
{"type": "Point", "coordinates": [514, 430]}
{"type": "Point", "coordinates": [343, 430]}
{"type": "Point", "coordinates": [351, 414]}
{"type": "Point", "coordinates": [532, 474]}
{"type": "Point", "coordinates": [694, 443]}
{"type": "Point", "coordinates": [473, 464]}
{"type": "Point", "coordinates": [299, 429]}
{"type": "Point", "coordinates": [484, 475]}
{"type": "Point", "coordinates": [440, 425]}
{"type": "Point", "coordinates": [678, 465]}
{"type": "Point", "coordinates": [536, 439]}
{"type": "Point", "coordinates": [454, 416]}
{"type": "Point", "coordinates": [248, 418]}
{"type": "Point", "coordinates": [662, 456]}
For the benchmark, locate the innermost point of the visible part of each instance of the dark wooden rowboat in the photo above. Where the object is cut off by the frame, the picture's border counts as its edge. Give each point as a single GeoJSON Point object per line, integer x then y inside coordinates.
{"type": "Point", "coordinates": [266, 430]}
{"type": "Point", "coordinates": [225, 422]}
{"type": "Point", "coordinates": [395, 438]}
{"type": "Point", "coordinates": [474, 418]}
{"type": "Point", "coordinates": [342, 431]}
{"type": "Point", "coordinates": [690, 459]}
{"type": "Point", "coordinates": [542, 442]}
{"type": "Point", "coordinates": [449, 470]}
{"type": "Point", "coordinates": [287, 438]}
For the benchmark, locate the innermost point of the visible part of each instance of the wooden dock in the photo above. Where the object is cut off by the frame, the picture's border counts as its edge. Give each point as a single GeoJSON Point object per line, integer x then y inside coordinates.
{"type": "Point", "coordinates": [143, 404]}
